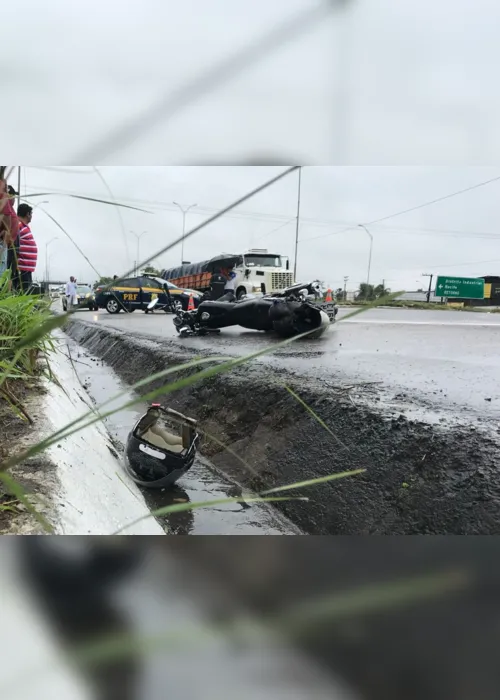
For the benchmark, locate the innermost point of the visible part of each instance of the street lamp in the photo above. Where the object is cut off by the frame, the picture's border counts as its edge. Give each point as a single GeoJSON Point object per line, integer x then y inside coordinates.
{"type": "Point", "coordinates": [346, 280]}
{"type": "Point", "coordinates": [138, 236]}
{"type": "Point", "coordinates": [184, 211]}
{"type": "Point", "coordinates": [47, 255]}
{"type": "Point", "coordinates": [369, 259]}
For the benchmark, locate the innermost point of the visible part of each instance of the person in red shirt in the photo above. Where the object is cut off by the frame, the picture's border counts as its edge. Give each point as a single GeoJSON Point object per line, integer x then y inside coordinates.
{"type": "Point", "coordinates": [8, 220]}
{"type": "Point", "coordinates": [9, 225]}
{"type": "Point", "coordinates": [28, 249]}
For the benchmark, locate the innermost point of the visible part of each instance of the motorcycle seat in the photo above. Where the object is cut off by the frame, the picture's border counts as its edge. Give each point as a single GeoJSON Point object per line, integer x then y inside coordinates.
{"type": "Point", "coordinates": [210, 304]}
{"type": "Point", "coordinates": [225, 305]}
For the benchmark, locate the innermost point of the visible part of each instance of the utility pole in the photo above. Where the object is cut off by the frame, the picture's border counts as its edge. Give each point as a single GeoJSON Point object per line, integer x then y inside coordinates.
{"type": "Point", "coordinates": [47, 258]}
{"type": "Point", "coordinates": [431, 277]}
{"type": "Point", "coordinates": [138, 236]}
{"type": "Point", "coordinates": [369, 259]}
{"type": "Point", "coordinates": [184, 211]}
{"type": "Point", "coordinates": [346, 280]}
{"type": "Point", "coordinates": [297, 226]}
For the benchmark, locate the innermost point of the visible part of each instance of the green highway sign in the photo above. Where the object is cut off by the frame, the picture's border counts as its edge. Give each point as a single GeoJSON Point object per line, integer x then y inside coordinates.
{"type": "Point", "coordinates": [460, 287]}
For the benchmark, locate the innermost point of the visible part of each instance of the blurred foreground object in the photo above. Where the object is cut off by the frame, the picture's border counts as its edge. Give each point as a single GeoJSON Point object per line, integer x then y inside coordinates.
{"type": "Point", "coordinates": [350, 603]}
{"type": "Point", "coordinates": [130, 629]}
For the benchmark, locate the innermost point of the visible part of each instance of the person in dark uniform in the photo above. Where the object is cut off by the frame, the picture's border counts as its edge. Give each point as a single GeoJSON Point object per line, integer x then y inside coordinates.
{"type": "Point", "coordinates": [217, 285]}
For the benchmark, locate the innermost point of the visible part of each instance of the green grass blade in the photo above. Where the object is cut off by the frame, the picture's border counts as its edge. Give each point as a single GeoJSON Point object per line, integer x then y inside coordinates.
{"type": "Point", "coordinates": [96, 414]}
{"type": "Point", "coordinates": [39, 332]}
{"type": "Point", "coordinates": [367, 599]}
{"type": "Point", "coordinates": [373, 598]}
{"type": "Point", "coordinates": [183, 507]}
{"type": "Point", "coordinates": [72, 427]}
{"type": "Point", "coordinates": [316, 417]}
{"type": "Point", "coordinates": [314, 482]}
{"type": "Point", "coordinates": [371, 305]}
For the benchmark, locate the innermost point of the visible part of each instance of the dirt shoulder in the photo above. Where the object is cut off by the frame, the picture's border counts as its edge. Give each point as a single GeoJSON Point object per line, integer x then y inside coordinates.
{"type": "Point", "coordinates": [36, 475]}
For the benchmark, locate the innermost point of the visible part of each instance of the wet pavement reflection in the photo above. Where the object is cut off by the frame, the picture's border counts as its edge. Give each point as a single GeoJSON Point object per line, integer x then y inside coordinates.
{"type": "Point", "coordinates": [202, 483]}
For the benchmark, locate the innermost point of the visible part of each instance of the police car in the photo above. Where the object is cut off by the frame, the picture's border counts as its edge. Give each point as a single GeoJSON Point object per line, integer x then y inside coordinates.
{"type": "Point", "coordinates": [138, 292]}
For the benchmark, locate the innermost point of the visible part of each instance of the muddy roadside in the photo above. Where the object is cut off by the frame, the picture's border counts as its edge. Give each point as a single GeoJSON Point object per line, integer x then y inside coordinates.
{"type": "Point", "coordinates": [37, 475]}
{"type": "Point", "coordinates": [421, 478]}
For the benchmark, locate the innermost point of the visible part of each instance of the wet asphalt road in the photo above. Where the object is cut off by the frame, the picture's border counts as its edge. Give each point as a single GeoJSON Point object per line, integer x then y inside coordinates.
{"type": "Point", "coordinates": [449, 358]}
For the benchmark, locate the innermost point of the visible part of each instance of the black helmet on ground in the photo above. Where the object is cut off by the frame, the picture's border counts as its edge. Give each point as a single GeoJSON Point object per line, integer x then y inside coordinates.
{"type": "Point", "coordinates": [161, 447]}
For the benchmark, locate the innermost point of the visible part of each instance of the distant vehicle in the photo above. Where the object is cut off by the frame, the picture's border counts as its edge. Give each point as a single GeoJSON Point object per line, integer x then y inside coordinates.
{"type": "Point", "coordinates": [138, 293]}
{"type": "Point", "coordinates": [86, 299]}
{"type": "Point", "coordinates": [257, 272]}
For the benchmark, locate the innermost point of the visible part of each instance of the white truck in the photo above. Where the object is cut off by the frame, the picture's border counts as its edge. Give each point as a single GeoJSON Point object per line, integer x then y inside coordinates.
{"type": "Point", "coordinates": [258, 271]}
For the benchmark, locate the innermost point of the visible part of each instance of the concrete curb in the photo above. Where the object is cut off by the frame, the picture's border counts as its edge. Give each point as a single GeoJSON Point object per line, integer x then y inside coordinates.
{"type": "Point", "coordinates": [94, 495]}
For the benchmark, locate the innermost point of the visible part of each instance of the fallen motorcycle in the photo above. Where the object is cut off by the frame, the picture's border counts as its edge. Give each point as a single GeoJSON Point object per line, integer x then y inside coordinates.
{"type": "Point", "coordinates": [161, 447]}
{"type": "Point", "coordinates": [289, 313]}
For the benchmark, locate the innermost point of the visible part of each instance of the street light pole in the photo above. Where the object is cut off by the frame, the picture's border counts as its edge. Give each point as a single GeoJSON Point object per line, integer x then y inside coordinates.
{"type": "Point", "coordinates": [18, 185]}
{"type": "Point", "coordinates": [184, 211]}
{"type": "Point", "coordinates": [297, 227]}
{"type": "Point", "coordinates": [47, 258]}
{"type": "Point", "coordinates": [369, 258]}
{"type": "Point", "coordinates": [346, 280]}
{"type": "Point", "coordinates": [138, 236]}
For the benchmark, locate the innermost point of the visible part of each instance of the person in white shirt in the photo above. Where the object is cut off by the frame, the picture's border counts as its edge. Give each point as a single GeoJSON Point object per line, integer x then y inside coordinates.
{"type": "Point", "coordinates": [230, 285]}
{"type": "Point", "coordinates": [71, 293]}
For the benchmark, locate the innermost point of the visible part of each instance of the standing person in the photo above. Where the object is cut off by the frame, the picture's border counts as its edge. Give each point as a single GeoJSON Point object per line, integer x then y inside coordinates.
{"type": "Point", "coordinates": [217, 285]}
{"type": "Point", "coordinates": [3, 244]}
{"type": "Point", "coordinates": [3, 251]}
{"type": "Point", "coordinates": [230, 284]}
{"type": "Point", "coordinates": [9, 225]}
{"type": "Point", "coordinates": [71, 293]}
{"type": "Point", "coordinates": [28, 249]}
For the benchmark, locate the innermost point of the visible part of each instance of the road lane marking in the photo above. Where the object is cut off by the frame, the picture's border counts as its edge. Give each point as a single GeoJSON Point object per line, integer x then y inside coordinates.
{"type": "Point", "coordinates": [472, 324]}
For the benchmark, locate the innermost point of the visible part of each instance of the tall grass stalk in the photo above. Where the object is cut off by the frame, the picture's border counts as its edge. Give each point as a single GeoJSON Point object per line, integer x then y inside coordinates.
{"type": "Point", "coordinates": [297, 622]}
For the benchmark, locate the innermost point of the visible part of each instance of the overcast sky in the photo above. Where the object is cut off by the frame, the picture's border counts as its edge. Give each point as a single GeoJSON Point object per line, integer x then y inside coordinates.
{"type": "Point", "coordinates": [384, 82]}
{"type": "Point", "coordinates": [459, 236]}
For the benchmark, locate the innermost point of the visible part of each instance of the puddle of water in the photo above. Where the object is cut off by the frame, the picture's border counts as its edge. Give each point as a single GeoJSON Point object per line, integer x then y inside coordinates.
{"type": "Point", "coordinates": [202, 482]}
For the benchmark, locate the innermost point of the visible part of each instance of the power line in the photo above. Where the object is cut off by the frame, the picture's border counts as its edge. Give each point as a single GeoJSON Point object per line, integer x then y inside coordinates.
{"type": "Point", "coordinates": [268, 233]}
{"type": "Point", "coordinates": [419, 206]}
{"type": "Point", "coordinates": [309, 221]}
{"type": "Point", "coordinates": [458, 232]}
{"type": "Point", "coordinates": [264, 217]}
{"type": "Point", "coordinates": [213, 218]}
{"type": "Point", "coordinates": [478, 262]}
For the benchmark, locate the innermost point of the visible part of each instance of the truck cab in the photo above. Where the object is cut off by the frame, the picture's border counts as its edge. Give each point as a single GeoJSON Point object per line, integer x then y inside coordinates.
{"type": "Point", "coordinates": [260, 272]}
